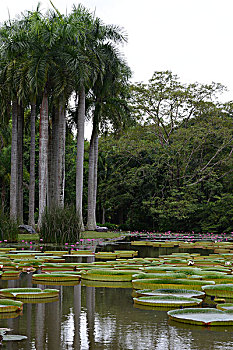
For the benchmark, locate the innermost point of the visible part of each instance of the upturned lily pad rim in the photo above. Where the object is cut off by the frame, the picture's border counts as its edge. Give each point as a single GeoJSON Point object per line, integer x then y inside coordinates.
{"type": "Point", "coordinates": [167, 300]}
{"type": "Point", "coordinates": [9, 306]}
{"type": "Point", "coordinates": [31, 293]}
{"type": "Point", "coordinates": [225, 286]}
{"type": "Point", "coordinates": [55, 277]}
{"type": "Point", "coordinates": [217, 321]}
{"type": "Point", "coordinates": [168, 291]}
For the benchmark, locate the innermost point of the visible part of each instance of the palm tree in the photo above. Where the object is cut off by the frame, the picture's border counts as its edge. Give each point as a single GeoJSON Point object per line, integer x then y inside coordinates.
{"type": "Point", "coordinates": [31, 200]}
{"type": "Point", "coordinates": [107, 91]}
{"type": "Point", "coordinates": [11, 57]}
{"type": "Point", "coordinates": [88, 62]}
{"type": "Point", "coordinates": [43, 63]}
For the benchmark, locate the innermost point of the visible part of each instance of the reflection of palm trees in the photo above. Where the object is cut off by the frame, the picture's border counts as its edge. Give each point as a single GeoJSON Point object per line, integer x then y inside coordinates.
{"type": "Point", "coordinates": [53, 325]}
{"type": "Point", "coordinates": [40, 334]}
{"type": "Point", "coordinates": [77, 313]}
{"type": "Point", "coordinates": [90, 303]}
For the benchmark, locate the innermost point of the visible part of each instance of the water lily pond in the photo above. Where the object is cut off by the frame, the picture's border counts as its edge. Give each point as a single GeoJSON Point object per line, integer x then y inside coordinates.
{"type": "Point", "coordinates": [95, 314]}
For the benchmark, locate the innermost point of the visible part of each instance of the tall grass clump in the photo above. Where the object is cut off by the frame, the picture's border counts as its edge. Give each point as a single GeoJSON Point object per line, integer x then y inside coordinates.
{"type": "Point", "coordinates": [8, 228]}
{"type": "Point", "coordinates": [60, 225]}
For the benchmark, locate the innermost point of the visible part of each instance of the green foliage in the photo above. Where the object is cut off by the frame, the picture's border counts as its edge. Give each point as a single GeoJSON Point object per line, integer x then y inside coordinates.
{"type": "Point", "coordinates": [174, 172]}
{"type": "Point", "coordinates": [8, 228]}
{"type": "Point", "coordinates": [60, 225]}
{"type": "Point", "coordinates": [109, 225]}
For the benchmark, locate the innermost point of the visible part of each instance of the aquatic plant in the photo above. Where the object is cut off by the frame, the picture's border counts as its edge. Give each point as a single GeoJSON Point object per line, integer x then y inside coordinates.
{"type": "Point", "coordinates": [108, 275]}
{"type": "Point", "coordinates": [8, 228]}
{"type": "Point", "coordinates": [60, 225]}
{"type": "Point", "coordinates": [219, 290]}
{"type": "Point", "coordinates": [175, 292]}
{"type": "Point", "coordinates": [202, 316]}
{"type": "Point", "coordinates": [167, 301]}
{"type": "Point", "coordinates": [169, 283]}
{"type": "Point", "coordinates": [55, 277]}
{"type": "Point", "coordinates": [28, 293]}
{"type": "Point", "coordinates": [7, 305]}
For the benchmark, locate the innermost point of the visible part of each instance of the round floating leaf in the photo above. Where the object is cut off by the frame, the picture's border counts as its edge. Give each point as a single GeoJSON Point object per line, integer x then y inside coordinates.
{"type": "Point", "coordinates": [219, 290]}
{"type": "Point", "coordinates": [205, 317]}
{"type": "Point", "coordinates": [175, 292]}
{"type": "Point", "coordinates": [29, 293]}
{"type": "Point", "coordinates": [7, 305]}
{"type": "Point", "coordinates": [225, 306]}
{"type": "Point", "coordinates": [106, 284]}
{"type": "Point", "coordinates": [108, 275]}
{"type": "Point", "coordinates": [55, 277]}
{"type": "Point", "coordinates": [57, 283]}
{"type": "Point", "coordinates": [167, 301]}
{"type": "Point", "coordinates": [13, 337]}
{"type": "Point", "coordinates": [160, 275]}
{"type": "Point", "coordinates": [169, 283]}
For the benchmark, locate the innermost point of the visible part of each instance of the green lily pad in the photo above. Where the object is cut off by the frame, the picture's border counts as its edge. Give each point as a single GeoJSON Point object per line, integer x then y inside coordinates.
{"type": "Point", "coordinates": [167, 300]}
{"type": "Point", "coordinates": [175, 292]}
{"type": "Point", "coordinates": [55, 277]}
{"type": "Point", "coordinates": [29, 293]}
{"type": "Point", "coordinates": [219, 290]}
{"type": "Point", "coordinates": [225, 306]}
{"type": "Point", "coordinates": [108, 275]}
{"type": "Point", "coordinates": [204, 317]}
{"type": "Point", "coordinates": [169, 283]}
{"type": "Point", "coordinates": [8, 305]}
{"type": "Point", "coordinates": [13, 337]}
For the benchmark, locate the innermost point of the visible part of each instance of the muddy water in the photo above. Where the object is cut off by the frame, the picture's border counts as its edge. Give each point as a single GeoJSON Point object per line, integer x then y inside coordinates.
{"type": "Point", "coordinates": [104, 318]}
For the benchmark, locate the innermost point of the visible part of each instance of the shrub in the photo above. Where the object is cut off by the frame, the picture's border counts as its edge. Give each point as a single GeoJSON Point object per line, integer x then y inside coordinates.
{"type": "Point", "coordinates": [60, 225]}
{"type": "Point", "coordinates": [8, 228]}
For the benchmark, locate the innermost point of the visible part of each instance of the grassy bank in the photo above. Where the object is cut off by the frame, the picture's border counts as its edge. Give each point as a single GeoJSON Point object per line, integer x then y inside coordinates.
{"type": "Point", "coordinates": [84, 235]}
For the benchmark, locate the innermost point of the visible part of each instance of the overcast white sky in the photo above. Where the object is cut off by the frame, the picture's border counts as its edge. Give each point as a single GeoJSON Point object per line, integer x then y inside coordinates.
{"type": "Point", "coordinates": [192, 38]}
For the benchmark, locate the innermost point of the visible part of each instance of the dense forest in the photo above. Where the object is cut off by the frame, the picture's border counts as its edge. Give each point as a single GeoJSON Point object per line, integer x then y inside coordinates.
{"type": "Point", "coordinates": [160, 153]}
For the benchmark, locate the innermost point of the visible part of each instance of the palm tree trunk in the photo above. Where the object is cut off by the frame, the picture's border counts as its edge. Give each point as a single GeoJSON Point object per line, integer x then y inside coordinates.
{"type": "Point", "coordinates": [20, 162]}
{"type": "Point", "coordinates": [14, 162]}
{"type": "Point", "coordinates": [56, 187]}
{"type": "Point", "coordinates": [92, 180]}
{"type": "Point", "coordinates": [80, 155]}
{"type": "Point", "coordinates": [61, 155]}
{"type": "Point", "coordinates": [31, 218]}
{"type": "Point", "coordinates": [90, 206]}
{"type": "Point", "coordinates": [43, 156]}
{"type": "Point", "coordinates": [96, 144]}
{"type": "Point", "coordinates": [52, 161]}
{"type": "Point", "coordinates": [103, 216]}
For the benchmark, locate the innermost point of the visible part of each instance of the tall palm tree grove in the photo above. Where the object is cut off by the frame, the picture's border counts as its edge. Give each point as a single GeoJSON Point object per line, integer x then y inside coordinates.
{"type": "Point", "coordinates": [46, 59]}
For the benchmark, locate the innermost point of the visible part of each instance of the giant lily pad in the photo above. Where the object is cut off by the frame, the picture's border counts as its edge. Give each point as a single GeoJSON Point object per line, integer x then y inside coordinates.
{"type": "Point", "coordinates": [29, 293]}
{"type": "Point", "coordinates": [219, 290]}
{"type": "Point", "coordinates": [167, 301]}
{"type": "Point", "coordinates": [13, 337]}
{"type": "Point", "coordinates": [10, 337]}
{"type": "Point", "coordinates": [169, 283]}
{"type": "Point", "coordinates": [108, 275]}
{"type": "Point", "coordinates": [205, 317]}
{"type": "Point", "coordinates": [55, 277]}
{"type": "Point", "coordinates": [57, 283]}
{"type": "Point", "coordinates": [175, 292]}
{"type": "Point", "coordinates": [106, 284]}
{"type": "Point", "coordinates": [7, 305]}
{"type": "Point", "coordinates": [225, 306]}
{"type": "Point", "coordinates": [160, 275]}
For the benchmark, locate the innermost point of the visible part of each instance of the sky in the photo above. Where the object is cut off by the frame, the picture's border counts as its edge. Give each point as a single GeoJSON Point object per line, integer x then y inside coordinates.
{"type": "Point", "coordinates": [192, 38]}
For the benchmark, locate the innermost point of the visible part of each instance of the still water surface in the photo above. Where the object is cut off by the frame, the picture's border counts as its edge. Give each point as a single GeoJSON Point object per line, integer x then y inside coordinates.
{"type": "Point", "coordinates": [104, 318]}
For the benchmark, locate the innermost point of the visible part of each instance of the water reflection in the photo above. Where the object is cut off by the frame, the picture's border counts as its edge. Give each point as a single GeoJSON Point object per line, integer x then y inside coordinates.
{"type": "Point", "coordinates": [104, 318]}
